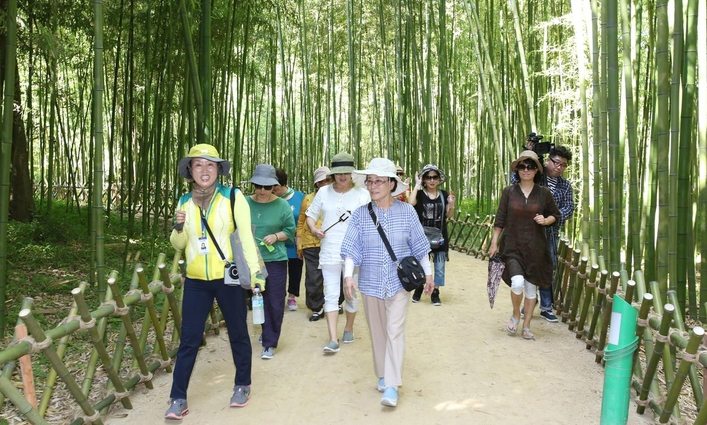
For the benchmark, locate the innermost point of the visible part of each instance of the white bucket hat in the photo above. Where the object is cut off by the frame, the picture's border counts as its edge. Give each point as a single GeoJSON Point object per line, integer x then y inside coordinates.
{"type": "Point", "coordinates": [381, 167]}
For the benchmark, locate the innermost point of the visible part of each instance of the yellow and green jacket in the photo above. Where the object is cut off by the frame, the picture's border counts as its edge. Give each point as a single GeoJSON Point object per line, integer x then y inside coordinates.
{"type": "Point", "coordinates": [210, 266]}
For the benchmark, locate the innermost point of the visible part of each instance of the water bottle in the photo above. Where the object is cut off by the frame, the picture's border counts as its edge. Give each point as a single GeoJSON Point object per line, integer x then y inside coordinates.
{"type": "Point", "coordinates": [258, 310]}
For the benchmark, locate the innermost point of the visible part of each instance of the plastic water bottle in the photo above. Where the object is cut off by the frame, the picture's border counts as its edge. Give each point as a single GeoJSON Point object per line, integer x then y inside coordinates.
{"type": "Point", "coordinates": [258, 309]}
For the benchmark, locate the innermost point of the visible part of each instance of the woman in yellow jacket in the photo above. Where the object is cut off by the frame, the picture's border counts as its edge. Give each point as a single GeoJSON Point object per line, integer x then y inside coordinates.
{"type": "Point", "coordinates": [203, 223]}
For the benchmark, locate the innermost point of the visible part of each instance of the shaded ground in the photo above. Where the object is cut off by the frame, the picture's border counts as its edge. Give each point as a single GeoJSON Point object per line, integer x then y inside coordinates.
{"type": "Point", "coordinates": [460, 368]}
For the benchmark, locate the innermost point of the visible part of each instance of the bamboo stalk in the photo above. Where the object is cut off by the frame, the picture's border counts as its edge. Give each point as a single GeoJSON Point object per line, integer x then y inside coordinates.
{"type": "Point", "coordinates": [679, 323]}
{"type": "Point", "coordinates": [606, 314]}
{"type": "Point", "coordinates": [581, 283]}
{"type": "Point", "coordinates": [130, 331]}
{"type": "Point", "coordinates": [652, 363]}
{"type": "Point", "coordinates": [97, 340]}
{"type": "Point", "coordinates": [591, 283]}
{"type": "Point", "coordinates": [26, 409]}
{"type": "Point", "coordinates": [38, 334]}
{"type": "Point", "coordinates": [26, 369]}
{"type": "Point", "coordinates": [571, 284]}
{"type": "Point", "coordinates": [596, 313]}
{"type": "Point", "coordinates": [151, 310]}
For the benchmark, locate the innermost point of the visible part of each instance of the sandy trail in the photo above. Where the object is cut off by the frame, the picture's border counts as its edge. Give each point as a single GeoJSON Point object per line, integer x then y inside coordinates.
{"type": "Point", "coordinates": [460, 368]}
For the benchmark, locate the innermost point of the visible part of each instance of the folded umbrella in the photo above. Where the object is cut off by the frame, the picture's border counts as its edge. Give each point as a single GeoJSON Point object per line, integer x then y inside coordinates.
{"type": "Point", "coordinates": [496, 267]}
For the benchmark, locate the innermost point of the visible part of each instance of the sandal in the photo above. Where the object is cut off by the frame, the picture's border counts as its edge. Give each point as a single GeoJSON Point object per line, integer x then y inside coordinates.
{"type": "Point", "coordinates": [527, 334]}
{"type": "Point", "coordinates": [512, 326]}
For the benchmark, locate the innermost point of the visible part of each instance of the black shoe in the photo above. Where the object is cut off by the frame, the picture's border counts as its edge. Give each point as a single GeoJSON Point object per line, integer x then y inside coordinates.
{"type": "Point", "coordinates": [416, 295]}
{"type": "Point", "coordinates": [435, 297]}
{"type": "Point", "coordinates": [316, 315]}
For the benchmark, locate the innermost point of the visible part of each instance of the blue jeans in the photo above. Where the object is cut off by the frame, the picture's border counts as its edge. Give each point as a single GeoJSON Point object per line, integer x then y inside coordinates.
{"type": "Point", "coordinates": [546, 293]}
{"type": "Point", "coordinates": [274, 301]}
{"type": "Point", "coordinates": [198, 299]}
{"type": "Point", "coordinates": [439, 259]}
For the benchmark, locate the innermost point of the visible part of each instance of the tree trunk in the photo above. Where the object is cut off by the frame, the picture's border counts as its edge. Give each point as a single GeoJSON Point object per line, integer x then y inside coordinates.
{"type": "Point", "coordinates": [21, 200]}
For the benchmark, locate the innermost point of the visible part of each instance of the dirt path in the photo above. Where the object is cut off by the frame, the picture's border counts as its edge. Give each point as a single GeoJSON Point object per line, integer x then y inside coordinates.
{"type": "Point", "coordinates": [460, 368]}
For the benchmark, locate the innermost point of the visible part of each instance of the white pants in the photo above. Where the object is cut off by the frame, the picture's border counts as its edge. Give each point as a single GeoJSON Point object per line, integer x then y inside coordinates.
{"type": "Point", "coordinates": [519, 284]}
{"type": "Point", "coordinates": [333, 273]}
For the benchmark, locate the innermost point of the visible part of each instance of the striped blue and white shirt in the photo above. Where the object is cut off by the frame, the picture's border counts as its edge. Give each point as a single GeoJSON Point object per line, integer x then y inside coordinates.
{"type": "Point", "coordinates": [378, 276]}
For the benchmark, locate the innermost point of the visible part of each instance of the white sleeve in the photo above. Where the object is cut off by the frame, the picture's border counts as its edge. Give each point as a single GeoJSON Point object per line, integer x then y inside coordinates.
{"type": "Point", "coordinates": [426, 266]}
{"type": "Point", "coordinates": [349, 267]}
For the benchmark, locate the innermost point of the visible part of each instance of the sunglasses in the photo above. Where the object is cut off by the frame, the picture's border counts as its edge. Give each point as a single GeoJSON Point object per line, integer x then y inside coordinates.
{"type": "Point", "coordinates": [257, 186]}
{"type": "Point", "coordinates": [431, 177]}
{"type": "Point", "coordinates": [526, 167]}
{"type": "Point", "coordinates": [399, 174]}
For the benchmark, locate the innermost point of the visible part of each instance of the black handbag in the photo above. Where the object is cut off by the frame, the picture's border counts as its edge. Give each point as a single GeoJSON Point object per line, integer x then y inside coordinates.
{"type": "Point", "coordinates": [410, 271]}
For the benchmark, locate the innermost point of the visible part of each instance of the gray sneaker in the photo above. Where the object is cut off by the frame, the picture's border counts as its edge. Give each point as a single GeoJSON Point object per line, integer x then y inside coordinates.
{"type": "Point", "coordinates": [331, 348]}
{"type": "Point", "coordinates": [177, 410]}
{"type": "Point", "coordinates": [267, 353]}
{"type": "Point", "coordinates": [241, 394]}
{"type": "Point", "coordinates": [348, 337]}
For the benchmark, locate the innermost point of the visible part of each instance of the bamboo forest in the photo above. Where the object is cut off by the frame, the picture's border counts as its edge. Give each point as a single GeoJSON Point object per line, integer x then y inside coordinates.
{"type": "Point", "coordinates": [101, 100]}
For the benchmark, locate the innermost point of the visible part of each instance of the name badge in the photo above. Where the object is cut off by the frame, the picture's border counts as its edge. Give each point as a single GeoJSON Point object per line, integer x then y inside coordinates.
{"type": "Point", "coordinates": [203, 245]}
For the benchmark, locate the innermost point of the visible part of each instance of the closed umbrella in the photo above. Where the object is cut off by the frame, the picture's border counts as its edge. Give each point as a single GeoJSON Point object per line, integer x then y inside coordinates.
{"type": "Point", "coordinates": [496, 267]}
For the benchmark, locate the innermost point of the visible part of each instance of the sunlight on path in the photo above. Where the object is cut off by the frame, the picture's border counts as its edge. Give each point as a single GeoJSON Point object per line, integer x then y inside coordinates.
{"type": "Point", "coordinates": [460, 368]}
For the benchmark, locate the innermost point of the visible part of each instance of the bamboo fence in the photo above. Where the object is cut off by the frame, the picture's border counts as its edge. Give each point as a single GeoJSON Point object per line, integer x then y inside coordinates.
{"type": "Point", "coordinates": [669, 362]}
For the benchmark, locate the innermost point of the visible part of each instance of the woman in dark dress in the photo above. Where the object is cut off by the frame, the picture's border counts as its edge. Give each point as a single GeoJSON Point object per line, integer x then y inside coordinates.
{"type": "Point", "coordinates": [524, 211]}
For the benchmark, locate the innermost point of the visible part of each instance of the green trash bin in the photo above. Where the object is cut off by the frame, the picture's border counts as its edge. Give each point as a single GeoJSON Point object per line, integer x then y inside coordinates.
{"type": "Point", "coordinates": [622, 342]}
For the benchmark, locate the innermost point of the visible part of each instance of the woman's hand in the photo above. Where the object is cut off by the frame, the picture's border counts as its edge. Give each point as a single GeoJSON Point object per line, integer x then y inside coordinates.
{"type": "Point", "coordinates": [349, 288]}
{"type": "Point", "coordinates": [541, 219]}
{"type": "Point", "coordinates": [493, 249]}
{"type": "Point", "coordinates": [318, 233]}
{"type": "Point", "coordinates": [418, 181]}
{"type": "Point", "coordinates": [179, 218]}
{"type": "Point", "coordinates": [270, 239]}
{"type": "Point", "coordinates": [429, 285]}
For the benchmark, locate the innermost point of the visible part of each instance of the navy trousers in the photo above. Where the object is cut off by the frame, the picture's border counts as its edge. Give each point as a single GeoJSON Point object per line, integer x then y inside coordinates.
{"type": "Point", "coordinates": [274, 302]}
{"type": "Point", "coordinates": [198, 299]}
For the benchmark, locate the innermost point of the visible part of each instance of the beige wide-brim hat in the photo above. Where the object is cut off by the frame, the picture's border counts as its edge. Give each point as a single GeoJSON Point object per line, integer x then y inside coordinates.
{"type": "Point", "coordinates": [527, 155]}
{"type": "Point", "coordinates": [321, 174]}
{"type": "Point", "coordinates": [342, 163]}
{"type": "Point", "coordinates": [380, 167]}
{"type": "Point", "coordinates": [205, 151]}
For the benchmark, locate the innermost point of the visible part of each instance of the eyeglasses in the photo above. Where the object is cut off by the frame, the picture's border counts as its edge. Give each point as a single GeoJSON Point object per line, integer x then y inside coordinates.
{"type": "Point", "coordinates": [559, 163]}
{"type": "Point", "coordinates": [258, 186]}
{"type": "Point", "coordinates": [376, 182]}
{"type": "Point", "coordinates": [527, 167]}
{"type": "Point", "coordinates": [431, 177]}
{"type": "Point", "coordinates": [400, 174]}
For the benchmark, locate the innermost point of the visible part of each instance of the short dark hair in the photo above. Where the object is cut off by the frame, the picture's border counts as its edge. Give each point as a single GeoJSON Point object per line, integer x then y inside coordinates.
{"type": "Point", "coordinates": [281, 176]}
{"type": "Point", "coordinates": [561, 151]}
{"type": "Point", "coordinates": [395, 183]}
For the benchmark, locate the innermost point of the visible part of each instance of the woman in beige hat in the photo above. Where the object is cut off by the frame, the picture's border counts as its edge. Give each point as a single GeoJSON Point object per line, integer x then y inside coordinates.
{"type": "Point", "coordinates": [525, 209]}
{"type": "Point", "coordinates": [333, 205]}
{"type": "Point", "coordinates": [308, 247]}
{"type": "Point", "coordinates": [203, 223]}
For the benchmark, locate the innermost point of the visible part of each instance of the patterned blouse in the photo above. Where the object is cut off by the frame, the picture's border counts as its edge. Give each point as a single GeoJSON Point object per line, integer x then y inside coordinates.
{"type": "Point", "coordinates": [378, 275]}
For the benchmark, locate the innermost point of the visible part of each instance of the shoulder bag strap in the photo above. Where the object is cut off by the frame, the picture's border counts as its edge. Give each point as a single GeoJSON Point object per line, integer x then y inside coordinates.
{"type": "Point", "coordinates": [233, 207]}
{"type": "Point", "coordinates": [213, 239]}
{"type": "Point", "coordinates": [381, 232]}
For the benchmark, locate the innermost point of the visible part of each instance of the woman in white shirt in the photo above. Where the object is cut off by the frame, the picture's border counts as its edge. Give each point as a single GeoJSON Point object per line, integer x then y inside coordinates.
{"type": "Point", "coordinates": [334, 204]}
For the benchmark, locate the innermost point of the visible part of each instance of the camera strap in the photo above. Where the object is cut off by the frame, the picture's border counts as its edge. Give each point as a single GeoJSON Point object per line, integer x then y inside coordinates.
{"type": "Point", "coordinates": [382, 233]}
{"type": "Point", "coordinates": [213, 239]}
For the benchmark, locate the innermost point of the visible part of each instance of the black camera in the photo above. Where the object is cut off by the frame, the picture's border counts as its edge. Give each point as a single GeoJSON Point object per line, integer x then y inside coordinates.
{"type": "Point", "coordinates": [230, 276]}
{"type": "Point", "coordinates": [533, 142]}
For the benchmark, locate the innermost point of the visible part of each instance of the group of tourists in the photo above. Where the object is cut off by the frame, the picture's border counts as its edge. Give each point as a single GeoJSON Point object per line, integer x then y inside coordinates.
{"type": "Point", "coordinates": [347, 235]}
